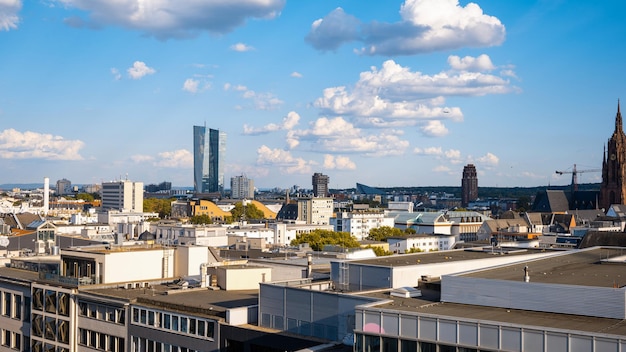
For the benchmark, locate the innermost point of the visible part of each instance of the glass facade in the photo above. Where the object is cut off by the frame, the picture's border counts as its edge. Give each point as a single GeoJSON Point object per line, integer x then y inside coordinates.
{"type": "Point", "coordinates": [209, 148]}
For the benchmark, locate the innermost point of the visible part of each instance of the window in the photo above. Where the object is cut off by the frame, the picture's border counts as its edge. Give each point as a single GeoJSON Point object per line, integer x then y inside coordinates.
{"type": "Point", "coordinates": [6, 306]}
{"type": "Point", "coordinates": [17, 306]}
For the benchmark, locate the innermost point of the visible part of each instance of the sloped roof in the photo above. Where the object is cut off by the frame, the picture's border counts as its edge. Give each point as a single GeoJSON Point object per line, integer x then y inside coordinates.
{"type": "Point", "coordinates": [551, 201]}
{"type": "Point", "coordinates": [267, 213]}
{"type": "Point", "coordinates": [602, 238]}
{"type": "Point", "coordinates": [363, 189]}
{"type": "Point", "coordinates": [495, 225]}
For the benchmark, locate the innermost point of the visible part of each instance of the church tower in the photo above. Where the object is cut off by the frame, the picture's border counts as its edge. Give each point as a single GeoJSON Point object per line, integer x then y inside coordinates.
{"type": "Point", "coordinates": [613, 188]}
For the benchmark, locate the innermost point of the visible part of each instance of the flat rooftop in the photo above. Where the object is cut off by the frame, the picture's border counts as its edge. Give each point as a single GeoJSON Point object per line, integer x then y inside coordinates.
{"type": "Point", "coordinates": [432, 306]}
{"type": "Point", "coordinates": [199, 301]}
{"type": "Point", "coordinates": [445, 256]}
{"type": "Point", "coordinates": [601, 267]}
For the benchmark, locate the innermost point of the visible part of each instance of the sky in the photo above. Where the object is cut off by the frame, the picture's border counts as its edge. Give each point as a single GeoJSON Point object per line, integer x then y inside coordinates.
{"type": "Point", "coordinates": [383, 93]}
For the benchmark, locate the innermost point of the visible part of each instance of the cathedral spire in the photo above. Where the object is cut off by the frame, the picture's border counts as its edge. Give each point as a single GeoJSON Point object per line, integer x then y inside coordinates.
{"type": "Point", "coordinates": [618, 120]}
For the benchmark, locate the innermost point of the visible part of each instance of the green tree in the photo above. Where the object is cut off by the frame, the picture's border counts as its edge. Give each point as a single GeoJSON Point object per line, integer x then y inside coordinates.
{"type": "Point", "coordinates": [201, 220]}
{"type": "Point", "coordinates": [523, 203]}
{"type": "Point", "coordinates": [317, 239]}
{"type": "Point", "coordinates": [413, 250]}
{"type": "Point", "coordinates": [251, 211]}
{"type": "Point", "coordinates": [383, 232]}
{"type": "Point", "coordinates": [379, 251]}
{"type": "Point", "coordinates": [158, 205]}
{"type": "Point", "coordinates": [87, 197]}
{"type": "Point", "coordinates": [410, 231]}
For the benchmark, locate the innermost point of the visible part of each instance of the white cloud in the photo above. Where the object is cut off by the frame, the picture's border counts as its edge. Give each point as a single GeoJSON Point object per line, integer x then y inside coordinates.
{"type": "Point", "coordinates": [289, 122]}
{"type": "Point", "coordinates": [330, 32]}
{"type": "Point", "coordinates": [116, 74]}
{"type": "Point", "coordinates": [489, 159]}
{"type": "Point", "coordinates": [33, 145]}
{"type": "Point", "coordinates": [180, 158]}
{"type": "Point", "coordinates": [241, 47]}
{"type": "Point", "coordinates": [141, 158]}
{"type": "Point", "coordinates": [139, 70]}
{"type": "Point", "coordinates": [441, 168]}
{"type": "Point", "coordinates": [296, 74]}
{"type": "Point", "coordinates": [395, 96]}
{"type": "Point", "coordinates": [191, 85]}
{"type": "Point", "coordinates": [338, 162]}
{"type": "Point", "coordinates": [434, 128]}
{"type": "Point", "coordinates": [283, 160]}
{"type": "Point", "coordinates": [425, 26]}
{"type": "Point", "coordinates": [165, 19]}
{"type": "Point", "coordinates": [428, 151]}
{"type": "Point", "coordinates": [260, 101]}
{"type": "Point", "coordinates": [337, 135]}
{"type": "Point", "coordinates": [8, 14]}
{"type": "Point", "coordinates": [469, 63]}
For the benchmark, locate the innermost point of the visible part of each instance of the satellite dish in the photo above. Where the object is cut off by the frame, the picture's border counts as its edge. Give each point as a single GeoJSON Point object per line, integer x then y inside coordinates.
{"type": "Point", "coordinates": [4, 241]}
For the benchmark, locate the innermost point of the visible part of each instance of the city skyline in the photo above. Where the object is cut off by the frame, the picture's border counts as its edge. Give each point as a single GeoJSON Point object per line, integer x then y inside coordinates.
{"type": "Point", "coordinates": [397, 93]}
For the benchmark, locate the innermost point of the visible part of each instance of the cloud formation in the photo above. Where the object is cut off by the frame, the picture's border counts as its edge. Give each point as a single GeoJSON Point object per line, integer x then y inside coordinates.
{"type": "Point", "coordinates": [177, 159]}
{"type": "Point", "coordinates": [260, 101]}
{"type": "Point", "coordinates": [425, 26]}
{"type": "Point", "coordinates": [338, 162]}
{"type": "Point", "coordinates": [283, 160]}
{"type": "Point", "coordinates": [289, 122]}
{"type": "Point", "coordinates": [33, 145]}
{"type": "Point", "coordinates": [167, 19]}
{"type": "Point", "coordinates": [191, 85]}
{"type": "Point", "coordinates": [139, 70]}
{"type": "Point", "coordinates": [332, 31]}
{"type": "Point", "coordinates": [336, 135]}
{"type": "Point", "coordinates": [241, 47]}
{"type": "Point", "coordinates": [8, 14]}
{"type": "Point", "coordinates": [395, 96]}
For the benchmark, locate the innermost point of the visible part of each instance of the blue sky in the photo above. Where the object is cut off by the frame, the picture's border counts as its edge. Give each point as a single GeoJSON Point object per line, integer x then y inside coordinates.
{"type": "Point", "coordinates": [385, 93]}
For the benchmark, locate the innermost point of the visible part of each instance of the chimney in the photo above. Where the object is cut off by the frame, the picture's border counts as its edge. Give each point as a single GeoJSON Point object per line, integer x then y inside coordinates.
{"type": "Point", "coordinates": [46, 195]}
{"type": "Point", "coordinates": [526, 276]}
{"type": "Point", "coordinates": [309, 265]}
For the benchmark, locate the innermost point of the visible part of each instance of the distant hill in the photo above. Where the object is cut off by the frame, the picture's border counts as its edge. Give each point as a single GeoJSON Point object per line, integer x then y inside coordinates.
{"type": "Point", "coordinates": [483, 192]}
{"type": "Point", "coordinates": [10, 186]}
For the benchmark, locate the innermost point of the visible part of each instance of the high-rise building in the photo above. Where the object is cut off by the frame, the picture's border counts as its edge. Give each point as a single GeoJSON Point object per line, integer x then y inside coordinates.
{"type": "Point", "coordinates": [241, 187]}
{"type": "Point", "coordinates": [320, 185]}
{"type": "Point", "coordinates": [613, 188]}
{"type": "Point", "coordinates": [64, 187]}
{"type": "Point", "coordinates": [209, 148]}
{"type": "Point", "coordinates": [124, 196]}
{"type": "Point", "coordinates": [469, 185]}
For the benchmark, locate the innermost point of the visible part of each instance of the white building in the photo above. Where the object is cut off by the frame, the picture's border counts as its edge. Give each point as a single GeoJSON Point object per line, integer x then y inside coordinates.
{"type": "Point", "coordinates": [125, 196]}
{"type": "Point", "coordinates": [211, 235]}
{"type": "Point", "coordinates": [420, 243]}
{"type": "Point", "coordinates": [359, 222]}
{"type": "Point", "coordinates": [241, 187]}
{"type": "Point", "coordinates": [315, 210]}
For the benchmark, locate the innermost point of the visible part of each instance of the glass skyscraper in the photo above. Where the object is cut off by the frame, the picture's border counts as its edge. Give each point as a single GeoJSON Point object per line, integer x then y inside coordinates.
{"type": "Point", "coordinates": [209, 148]}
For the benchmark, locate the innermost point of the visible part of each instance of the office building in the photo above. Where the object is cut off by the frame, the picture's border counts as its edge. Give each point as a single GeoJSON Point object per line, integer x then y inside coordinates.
{"type": "Point", "coordinates": [124, 196]}
{"type": "Point", "coordinates": [209, 148]}
{"type": "Point", "coordinates": [315, 210]}
{"type": "Point", "coordinates": [469, 185]}
{"type": "Point", "coordinates": [241, 187]}
{"type": "Point", "coordinates": [64, 187]}
{"type": "Point", "coordinates": [320, 185]}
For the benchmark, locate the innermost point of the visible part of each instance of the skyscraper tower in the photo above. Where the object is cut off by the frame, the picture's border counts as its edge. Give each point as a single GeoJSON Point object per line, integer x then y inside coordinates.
{"type": "Point", "coordinates": [320, 185]}
{"type": "Point", "coordinates": [208, 165]}
{"type": "Point", "coordinates": [469, 185]}
{"type": "Point", "coordinates": [613, 187]}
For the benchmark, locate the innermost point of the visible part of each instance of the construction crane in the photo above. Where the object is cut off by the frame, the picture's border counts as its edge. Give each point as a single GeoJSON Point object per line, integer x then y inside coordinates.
{"type": "Point", "coordinates": [575, 173]}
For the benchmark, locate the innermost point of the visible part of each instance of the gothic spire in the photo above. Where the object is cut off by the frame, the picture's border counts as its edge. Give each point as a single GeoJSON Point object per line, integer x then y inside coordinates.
{"type": "Point", "coordinates": [618, 120]}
